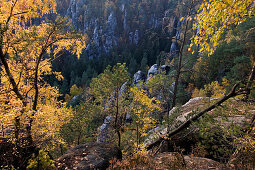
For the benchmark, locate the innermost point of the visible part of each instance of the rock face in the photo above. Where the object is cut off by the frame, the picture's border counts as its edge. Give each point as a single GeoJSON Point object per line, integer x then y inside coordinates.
{"type": "Point", "coordinates": [111, 23]}
{"type": "Point", "coordinates": [152, 71]}
{"type": "Point", "coordinates": [106, 131]}
{"type": "Point", "coordinates": [174, 160]}
{"type": "Point", "coordinates": [197, 163]}
{"type": "Point", "coordinates": [165, 68]}
{"type": "Point", "coordinates": [184, 112]}
{"type": "Point", "coordinates": [88, 156]}
{"type": "Point", "coordinates": [139, 76]}
{"type": "Point", "coordinates": [174, 50]}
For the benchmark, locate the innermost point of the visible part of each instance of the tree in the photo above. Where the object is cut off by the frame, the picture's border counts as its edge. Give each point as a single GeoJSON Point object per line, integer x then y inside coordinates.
{"type": "Point", "coordinates": [132, 66]}
{"type": "Point", "coordinates": [160, 86]}
{"type": "Point", "coordinates": [107, 93]}
{"type": "Point", "coordinates": [84, 79]}
{"type": "Point", "coordinates": [142, 108]}
{"type": "Point", "coordinates": [214, 18]}
{"type": "Point", "coordinates": [144, 62]}
{"type": "Point", "coordinates": [180, 55]}
{"type": "Point", "coordinates": [26, 98]}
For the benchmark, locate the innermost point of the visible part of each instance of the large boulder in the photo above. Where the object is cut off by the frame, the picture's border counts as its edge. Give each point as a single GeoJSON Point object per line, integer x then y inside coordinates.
{"type": "Point", "coordinates": [197, 163]}
{"type": "Point", "coordinates": [139, 76]}
{"type": "Point", "coordinates": [88, 156]}
{"type": "Point", "coordinates": [165, 68]}
{"type": "Point", "coordinates": [152, 71]}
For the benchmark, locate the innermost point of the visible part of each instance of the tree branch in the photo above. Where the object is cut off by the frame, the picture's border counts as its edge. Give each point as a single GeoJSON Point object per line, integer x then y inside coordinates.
{"type": "Point", "coordinates": [186, 124]}
{"type": "Point", "coordinates": [11, 79]}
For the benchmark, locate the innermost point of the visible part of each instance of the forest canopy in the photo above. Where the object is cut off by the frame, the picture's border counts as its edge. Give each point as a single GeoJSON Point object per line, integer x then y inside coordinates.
{"type": "Point", "coordinates": [140, 77]}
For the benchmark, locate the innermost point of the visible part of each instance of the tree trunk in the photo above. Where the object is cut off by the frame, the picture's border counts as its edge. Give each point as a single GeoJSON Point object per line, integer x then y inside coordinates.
{"type": "Point", "coordinates": [116, 126]}
{"type": "Point", "coordinates": [249, 83]}
{"type": "Point", "coordinates": [180, 60]}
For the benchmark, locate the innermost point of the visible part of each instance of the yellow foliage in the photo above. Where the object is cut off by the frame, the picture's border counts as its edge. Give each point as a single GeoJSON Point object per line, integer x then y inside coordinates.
{"type": "Point", "coordinates": [24, 94]}
{"type": "Point", "coordinates": [214, 17]}
{"type": "Point", "coordinates": [214, 89]}
{"type": "Point", "coordinates": [74, 91]}
{"type": "Point", "coordinates": [143, 107]}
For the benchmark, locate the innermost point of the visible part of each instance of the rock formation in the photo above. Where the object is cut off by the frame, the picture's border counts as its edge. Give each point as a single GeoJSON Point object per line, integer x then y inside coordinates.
{"type": "Point", "coordinates": [88, 156]}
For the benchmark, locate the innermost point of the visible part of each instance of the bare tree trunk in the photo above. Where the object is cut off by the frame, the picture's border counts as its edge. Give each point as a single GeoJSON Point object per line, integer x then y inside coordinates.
{"type": "Point", "coordinates": [116, 125]}
{"type": "Point", "coordinates": [249, 83]}
{"type": "Point", "coordinates": [180, 59]}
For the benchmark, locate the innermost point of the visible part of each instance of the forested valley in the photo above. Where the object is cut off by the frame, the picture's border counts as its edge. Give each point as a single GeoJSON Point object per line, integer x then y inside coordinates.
{"type": "Point", "coordinates": [127, 84]}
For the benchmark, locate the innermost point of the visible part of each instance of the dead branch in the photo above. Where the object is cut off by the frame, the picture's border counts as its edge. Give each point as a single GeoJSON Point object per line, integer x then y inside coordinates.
{"type": "Point", "coordinates": [186, 124]}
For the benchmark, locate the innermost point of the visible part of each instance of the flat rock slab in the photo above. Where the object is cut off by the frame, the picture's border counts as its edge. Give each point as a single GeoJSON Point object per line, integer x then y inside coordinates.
{"type": "Point", "coordinates": [172, 160]}
{"type": "Point", "coordinates": [198, 163]}
{"type": "Point", "coordinates": [88, 156]}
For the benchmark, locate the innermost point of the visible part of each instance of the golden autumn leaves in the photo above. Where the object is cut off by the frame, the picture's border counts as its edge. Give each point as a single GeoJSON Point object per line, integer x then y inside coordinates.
{"type": "Point", "coordinates": [27, 51]}
{"type": "Point", "coordinates": [215, 17]}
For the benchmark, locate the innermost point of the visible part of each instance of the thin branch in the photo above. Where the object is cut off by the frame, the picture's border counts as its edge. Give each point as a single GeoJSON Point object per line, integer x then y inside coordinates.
{"type": "Point", "coordinates": [37, 68]}
{"type": "Point", "coordinates": [9, 74]}
{"type": "Point", "coordinates": [9, 18]}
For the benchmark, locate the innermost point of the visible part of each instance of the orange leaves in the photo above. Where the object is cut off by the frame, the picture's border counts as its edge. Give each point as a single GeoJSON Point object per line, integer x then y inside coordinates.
{"type": "Point", "coordinates": [18, 10]}
{"type": "Point", "coordinates": [27, 46]}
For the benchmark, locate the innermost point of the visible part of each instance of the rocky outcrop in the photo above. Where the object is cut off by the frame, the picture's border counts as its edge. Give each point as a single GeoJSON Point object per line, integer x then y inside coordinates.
{"type": "Point", "coordinates": [110, 23]}
{"type": "Point", "coordinates": [106, 131]}
{"type": "Point", "coordinates": [139, 76]}
{"type": "Point", "coordinates": [88, 156]}
{"type": "Point", "coordinates": [198, 163]}
{"type": "Point", "coordinates": [165, 68]}
{"type": "Point", "coordinates": [182, 114]}
{"type": "Point", "coordinates": [152, 71]}
{"type": "Point", "coordinates": [169, 160]}
{"type": "Point", "coordinates": [136, 37]}
{"type": "Point", "coordinates": [110, 38]}
{"type": "Point", "coordinates": [174, 50]}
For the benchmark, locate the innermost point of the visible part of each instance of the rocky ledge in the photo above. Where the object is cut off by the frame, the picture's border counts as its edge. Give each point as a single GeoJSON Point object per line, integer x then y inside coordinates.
{"type": "Point", "coordinates": [88, 156]}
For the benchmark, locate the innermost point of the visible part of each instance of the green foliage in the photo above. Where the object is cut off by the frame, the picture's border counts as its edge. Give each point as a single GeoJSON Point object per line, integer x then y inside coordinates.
{"type": "Point", "coordinates": [108, 84]}
{"type": "Point", "coordinates": [142, 107]}
{"type": "Point", "coordinates": [147, 160]}
{"type": "Point", "coordinates": [215, 17]}
{"type": "Point", "coordinates": [74, 91]}
{"type": "Point", "coordinates": [221, 132]}
{"type": "Point", "coordinates": [232, 58]}
{"type": "Point", "coordinates": [41, 161]}
{"type": "Point", "coordinates": [160, 87]}
{"type": "Point", "coordinates": [217, 144]}
{"type": "Point", "coordinates": [213, 89]}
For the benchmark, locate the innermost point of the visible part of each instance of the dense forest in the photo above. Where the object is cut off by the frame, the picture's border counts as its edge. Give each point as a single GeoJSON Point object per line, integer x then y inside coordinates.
{"type": "Point", "coordinates": [127, 84]}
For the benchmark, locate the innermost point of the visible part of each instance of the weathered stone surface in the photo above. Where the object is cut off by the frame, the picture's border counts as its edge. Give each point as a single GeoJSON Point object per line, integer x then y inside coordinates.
{"type": "Point", "coordinates": [165, 68]}
{"type": "Point", "coordinates": [152, 71]}
{"type": "Point", "coordinates": [184, 112]}
{"type": "Point", "coordinates": [136, 37]}
{"type": "Point", "coordinates": [174, 160]}
{"type": "Point", "coordinates": [139, 76]}
{"type": "Point", "coordinates": [198, 163]}
{"type": "Point", "coordinates": [106, 131]}
{"type": "Point", "coordinates": [88, 156]}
